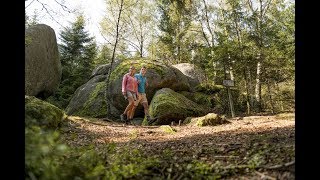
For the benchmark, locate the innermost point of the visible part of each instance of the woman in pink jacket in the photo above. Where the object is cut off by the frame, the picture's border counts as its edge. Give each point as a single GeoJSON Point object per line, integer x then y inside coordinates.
{"type": "Point", "coordinates": [130, 92]}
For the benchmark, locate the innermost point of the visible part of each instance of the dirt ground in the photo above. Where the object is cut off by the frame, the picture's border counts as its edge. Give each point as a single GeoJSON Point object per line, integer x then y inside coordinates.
{"type": "Point", "coordinates": [254, 147]}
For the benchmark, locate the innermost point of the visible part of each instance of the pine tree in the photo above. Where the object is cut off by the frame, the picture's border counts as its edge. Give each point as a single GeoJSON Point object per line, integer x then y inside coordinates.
{"type": "Point", "coordinates": [78, 52]}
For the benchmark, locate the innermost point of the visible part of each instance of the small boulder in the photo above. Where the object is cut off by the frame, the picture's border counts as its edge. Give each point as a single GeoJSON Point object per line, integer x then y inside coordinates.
{"type": "Point", "coordinates": [42, 113]}
{"type": "Point", "coordinates": [210, 119]}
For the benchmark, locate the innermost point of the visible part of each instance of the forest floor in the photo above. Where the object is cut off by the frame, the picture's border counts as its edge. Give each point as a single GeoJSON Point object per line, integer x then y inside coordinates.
{"type": "Point", "coordinates": [253, 147]}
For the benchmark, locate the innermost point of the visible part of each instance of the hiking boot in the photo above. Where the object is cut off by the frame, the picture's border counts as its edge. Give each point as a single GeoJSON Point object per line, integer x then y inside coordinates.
{"type": "Point", "coordinates": [132, 123]}
{"type": "Point", "coordinates": [122, 118]}
{"type": "Point", "coordinates": [127, 122]}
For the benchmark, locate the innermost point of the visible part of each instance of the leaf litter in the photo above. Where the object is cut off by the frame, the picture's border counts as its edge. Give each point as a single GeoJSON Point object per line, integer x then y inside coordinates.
{"type": "Point", "coordinates": [254, 147]}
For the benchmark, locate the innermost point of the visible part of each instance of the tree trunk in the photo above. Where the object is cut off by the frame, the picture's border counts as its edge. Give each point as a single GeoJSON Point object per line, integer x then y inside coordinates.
{"type": "Point", "coordinates": [141, 41]}
{"type": "Point", "coordinates": [231, 73]}
{"type": "Point", "coordinates": [279, 99]}
{"type": "Point", "coordinates": [250, 87]}
{"type": "Point", "coordinates": [270, 96]}
{"type": "Point", "coordinates": [108, 88]}
{"type": "Point", "coordinates": [258, 87]}
{"type": "Point", "coordinates": [247, 90]}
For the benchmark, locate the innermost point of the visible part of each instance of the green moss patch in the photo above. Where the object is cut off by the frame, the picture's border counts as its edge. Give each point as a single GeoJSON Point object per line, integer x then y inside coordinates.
{"type": "Point", "coordinates": [210, 119]}
{"type": "Point", "coordinates": [41, 113]}
{"type": "Point", "coordinates": [96, 105]}
{"type": "Point", "coordinates": [167, 129]}
{"type": "Point", "coordinates": [124, 66]}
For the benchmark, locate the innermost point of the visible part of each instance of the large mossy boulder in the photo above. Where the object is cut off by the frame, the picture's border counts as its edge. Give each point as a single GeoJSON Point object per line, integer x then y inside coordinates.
{"type": "Point", "coordinates": [42, 61]}
{"type": "Point", "coordinates": [211, 119]}
{"type": "Point", "coordinates": [41, 113]}
{"type": "Point", "coordinates": [89, 99]}
{"type": "Point", "coordinates": [167, 106]}
{"type": "Point", "coordinates": [158, 74]}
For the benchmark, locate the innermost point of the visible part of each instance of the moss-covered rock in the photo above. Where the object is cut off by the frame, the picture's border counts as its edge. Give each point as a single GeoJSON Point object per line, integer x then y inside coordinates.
{"type": "Point", "coordinates": [41, 113]}
{"type": "Point", "coordinates": [158, 74]}
{"type": "Point", "coordinates": [210, 119]}
{"type": "Point", "coordinates": [89, 99]}
{"type": "Point", "coordinates": [168, 106]}
{"type": "Point", "coordinates": [167, 129]}
{"type": "Point", "coordinates": [95, 105]}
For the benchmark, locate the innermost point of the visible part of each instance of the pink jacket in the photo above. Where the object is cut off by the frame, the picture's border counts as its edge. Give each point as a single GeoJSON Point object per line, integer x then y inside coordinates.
{"type": "Point", "coordinates": [129, 83]}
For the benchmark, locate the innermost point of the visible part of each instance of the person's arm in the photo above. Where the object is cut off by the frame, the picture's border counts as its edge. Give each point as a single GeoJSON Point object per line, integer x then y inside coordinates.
{"type": "Point", "coordinates": [137, 77]}
{"type": "Point", "coordinates": [136, 86]}
{"type": "Point", "coordinates": [124, 83]}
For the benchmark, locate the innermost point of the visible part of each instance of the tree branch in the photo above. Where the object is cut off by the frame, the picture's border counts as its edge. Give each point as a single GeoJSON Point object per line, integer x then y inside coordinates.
{"type": "Point", "coordinates": [29, 4]}
{"type": "Point", "coordinates": [65, 8]}
{"type": "Point", "coordinates": [280, 165]}
{"type": "Point", "coordinates": [44, 7]}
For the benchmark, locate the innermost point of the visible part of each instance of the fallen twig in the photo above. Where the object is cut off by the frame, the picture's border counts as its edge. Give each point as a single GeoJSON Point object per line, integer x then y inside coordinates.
{"type": "Point", "coordinates": [263, 176]}
{"type": "Point", "coordinates": [226, 156]}
{"type": "Point", "coordinates": [280, 165]}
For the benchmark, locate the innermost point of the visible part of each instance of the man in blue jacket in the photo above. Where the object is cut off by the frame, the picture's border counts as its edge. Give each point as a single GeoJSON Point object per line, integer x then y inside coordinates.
{"type": "Point", "coordinates": [142, 98]}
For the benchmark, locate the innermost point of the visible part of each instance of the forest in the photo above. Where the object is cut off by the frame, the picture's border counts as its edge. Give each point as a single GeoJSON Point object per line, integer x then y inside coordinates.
{"type": "Point", "coordinates": [204, 128]}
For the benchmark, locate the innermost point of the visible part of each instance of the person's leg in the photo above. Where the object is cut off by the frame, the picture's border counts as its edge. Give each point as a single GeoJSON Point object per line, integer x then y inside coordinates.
{"type": "Point", "coordinates": [144, 102]}
{"type": "Point", "coordinates": [146, 108]}
{"type": "Point", "coordinates": [133, 109]}
{"type": "Point", "coordinates": [128, 108]}
{"type": "Point", "coordinates": [132, 112]}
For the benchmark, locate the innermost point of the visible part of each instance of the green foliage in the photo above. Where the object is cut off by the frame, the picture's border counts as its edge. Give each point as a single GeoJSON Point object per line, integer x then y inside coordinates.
{"type": "Point", "coordinates": [104, 56]}
{"type": "Point", "coordinates": [201, 170]}
{"type": "Point", "coordinates": [175, 21]}
{"type": "Point", "coordinates": [129, 163]}
{"type": "Point", "coordinates": [256, 160]}
{"type": "Point", "coordinates": [221, 101]}
{"type": "Point", "coordinates": [33, 20]}
{"type": "Point", "coordinates": [280, 97]}
{"type": "Point", "coordinates": [78, 52]}
{"type": "Point", "coordinates": [48, 157]}
{"type": "Point", "coordinates": [43, 154]}
{"type": "Point", "coordinates": [199, 97]}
